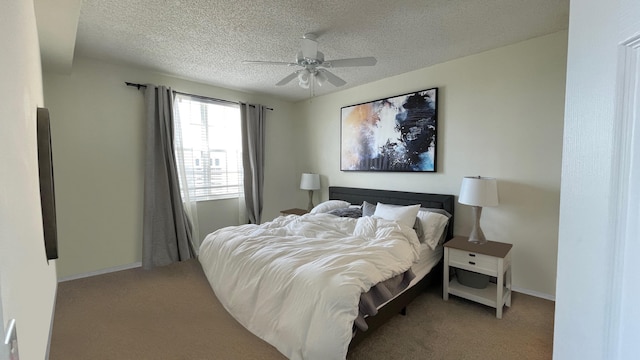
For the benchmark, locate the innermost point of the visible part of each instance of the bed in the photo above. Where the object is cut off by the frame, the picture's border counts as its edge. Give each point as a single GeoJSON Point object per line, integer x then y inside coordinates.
{"type": "Point", "coordinates": [299, 282]}
{"type": "Point", "coordinates": [433, 278]}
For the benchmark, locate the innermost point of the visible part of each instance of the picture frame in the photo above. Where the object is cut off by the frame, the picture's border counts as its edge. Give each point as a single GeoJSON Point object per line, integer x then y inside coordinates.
{"type": "Point", "coordinates": [47, 188]}
{"type": "Point", "coordinates": [397, 134]}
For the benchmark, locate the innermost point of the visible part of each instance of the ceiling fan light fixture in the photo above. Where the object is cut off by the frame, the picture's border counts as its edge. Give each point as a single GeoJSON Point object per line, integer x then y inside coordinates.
{"type": "Point", "coordinates": [303, 78]}
{"type": "Point", "coordinates": [303, 75]}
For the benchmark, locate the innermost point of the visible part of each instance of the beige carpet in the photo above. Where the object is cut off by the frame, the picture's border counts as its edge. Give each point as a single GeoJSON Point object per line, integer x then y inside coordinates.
{"type": "Point", "coordinates": [172, 313]}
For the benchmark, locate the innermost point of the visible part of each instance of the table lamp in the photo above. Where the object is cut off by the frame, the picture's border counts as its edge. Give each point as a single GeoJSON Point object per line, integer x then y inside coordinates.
{"type": "Point", "coordinates": [310, 182]}
{"type": "Point", "coordinates": [478, 192]}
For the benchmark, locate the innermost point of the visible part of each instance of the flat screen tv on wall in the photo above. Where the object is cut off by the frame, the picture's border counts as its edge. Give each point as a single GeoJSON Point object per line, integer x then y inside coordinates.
{"type": "Point", "coordinates": [47, 189]}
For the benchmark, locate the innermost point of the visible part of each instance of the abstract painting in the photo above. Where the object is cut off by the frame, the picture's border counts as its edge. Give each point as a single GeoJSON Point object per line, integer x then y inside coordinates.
{"type": "Point", "coordinates": [392, 134]}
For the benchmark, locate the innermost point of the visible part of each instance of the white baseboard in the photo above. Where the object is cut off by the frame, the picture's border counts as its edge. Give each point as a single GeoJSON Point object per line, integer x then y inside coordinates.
{"type": "Point", "coordinates": [534, 293]}
{"type": "Point", "coordinates": [102, 271]}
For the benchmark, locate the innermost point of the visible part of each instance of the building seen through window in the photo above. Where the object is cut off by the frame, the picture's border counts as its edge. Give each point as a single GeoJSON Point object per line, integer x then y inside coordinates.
{"type": "Point", "coordinates": [211, 145]}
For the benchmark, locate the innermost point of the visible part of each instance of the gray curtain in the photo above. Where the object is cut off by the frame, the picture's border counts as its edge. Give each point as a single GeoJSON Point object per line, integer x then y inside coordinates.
{"type": "Point", "coordinates": [166, 229]}
{"type": "Point", "coordinates": [252, 118]}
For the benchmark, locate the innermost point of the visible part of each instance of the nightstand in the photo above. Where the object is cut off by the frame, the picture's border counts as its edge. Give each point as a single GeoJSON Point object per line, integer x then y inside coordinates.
{"type": "Point", "coordinates": [492, 258]}
{"type": "Point", "coordinates": [294, 211]}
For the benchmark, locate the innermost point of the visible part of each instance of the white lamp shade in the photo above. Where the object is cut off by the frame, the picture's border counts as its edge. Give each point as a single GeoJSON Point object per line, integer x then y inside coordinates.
{"type": "Point", "coordinates": [310, 182]}
{"type": "Point", "coordinates": [479, 191]}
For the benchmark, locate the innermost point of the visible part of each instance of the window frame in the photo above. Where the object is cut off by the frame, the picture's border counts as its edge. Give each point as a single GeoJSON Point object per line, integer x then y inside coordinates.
{"type": "Point", "coordinates": [206, 160]}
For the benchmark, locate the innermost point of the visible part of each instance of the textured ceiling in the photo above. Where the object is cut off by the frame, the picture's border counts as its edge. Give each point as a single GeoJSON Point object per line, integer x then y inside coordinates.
{"type": "Point", "coordinates": [206, 40]}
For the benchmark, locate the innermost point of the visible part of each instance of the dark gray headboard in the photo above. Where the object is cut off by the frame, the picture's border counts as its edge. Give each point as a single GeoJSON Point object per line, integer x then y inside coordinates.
{"type": "Point", "coordinates": [357, 195]}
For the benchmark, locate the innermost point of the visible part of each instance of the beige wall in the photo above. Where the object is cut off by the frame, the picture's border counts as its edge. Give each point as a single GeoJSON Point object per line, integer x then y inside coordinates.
{"type": "Point", "coordinates": [27, 280]}
{"type": "Point", "coordinates": [500, 115]}
{"type": "Point", "coordinates": [98, 149]}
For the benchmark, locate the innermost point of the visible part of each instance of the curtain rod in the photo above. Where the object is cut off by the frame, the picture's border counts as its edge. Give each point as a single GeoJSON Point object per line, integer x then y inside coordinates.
{"type": "Point", "coordinates": [196, 96]}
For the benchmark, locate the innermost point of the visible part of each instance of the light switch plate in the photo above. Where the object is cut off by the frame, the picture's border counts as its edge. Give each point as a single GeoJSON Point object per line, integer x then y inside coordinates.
{"type": "Point", "coordinates": [11, 340]}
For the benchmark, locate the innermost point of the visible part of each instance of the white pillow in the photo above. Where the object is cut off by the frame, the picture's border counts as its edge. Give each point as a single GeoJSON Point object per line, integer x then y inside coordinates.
{"type": "Point", "coordinates": [402, 214]}
{"type": "Point", "coordinates": [433, 225]}
{"type": "Point", "coordinates": [329, 205]}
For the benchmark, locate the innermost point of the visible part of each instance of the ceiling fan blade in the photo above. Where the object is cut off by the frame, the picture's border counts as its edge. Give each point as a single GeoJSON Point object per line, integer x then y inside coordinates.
{"type": "Point", "coordinates": [287, 79]}
{"type": "Point", "coordinates": [268, 62]}
{"type": "Point", "coordinates": [363, 61]}
{"type": "Point", "coordinates": [332, 78]}
{"type": "Point", "coordinates": [309, 46]}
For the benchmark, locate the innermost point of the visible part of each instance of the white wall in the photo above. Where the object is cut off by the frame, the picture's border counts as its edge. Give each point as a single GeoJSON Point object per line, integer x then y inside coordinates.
{"type": "Point", "coordinates": [98, 149]}
{"type": "Point", "coordinates": [597, 315]}
{"type": "Point", "coordinates": [27, 281]}
{"type": "Point", "coordinates": [500, 114]}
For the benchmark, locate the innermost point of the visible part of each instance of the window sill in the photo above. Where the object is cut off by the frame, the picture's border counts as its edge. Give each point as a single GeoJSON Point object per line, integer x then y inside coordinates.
{"type": "Point", "coordinates": [228, 197]}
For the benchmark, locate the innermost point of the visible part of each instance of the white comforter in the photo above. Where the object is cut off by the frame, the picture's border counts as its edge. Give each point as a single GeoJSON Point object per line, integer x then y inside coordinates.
{"type": "Point", "coordinates": [296, 281]}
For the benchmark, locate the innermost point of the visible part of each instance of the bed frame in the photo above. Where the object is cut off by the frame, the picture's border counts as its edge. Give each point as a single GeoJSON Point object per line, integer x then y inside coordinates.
{"type": "Point", "coordinates": [399, 304]}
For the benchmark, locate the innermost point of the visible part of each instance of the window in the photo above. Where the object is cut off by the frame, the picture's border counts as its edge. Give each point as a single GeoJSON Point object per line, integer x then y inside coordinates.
{"type": "Point", "coordinates": [212, 147]}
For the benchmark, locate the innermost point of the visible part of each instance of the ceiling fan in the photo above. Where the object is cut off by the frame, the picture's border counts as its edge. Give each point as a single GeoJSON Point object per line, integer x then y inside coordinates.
{"type": "Point", "coordinates": [314, 66]}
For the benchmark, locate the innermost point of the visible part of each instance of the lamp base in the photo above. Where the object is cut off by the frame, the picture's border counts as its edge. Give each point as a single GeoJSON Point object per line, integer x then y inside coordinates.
{"type": "Point", "coordinates": [477, 236]}
{"type": "Point", "coordinates": [310, 205]}
{"type": "Point", "coordinates": [477, 241]}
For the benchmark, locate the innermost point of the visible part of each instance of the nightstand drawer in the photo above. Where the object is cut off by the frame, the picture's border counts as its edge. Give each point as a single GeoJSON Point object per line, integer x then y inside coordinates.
{"type": "Point", "coordinates": [473, 262]}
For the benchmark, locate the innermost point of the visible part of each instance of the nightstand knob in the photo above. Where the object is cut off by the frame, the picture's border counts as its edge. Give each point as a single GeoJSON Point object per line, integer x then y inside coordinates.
{"type": "Point", "coordinates": [472, 255]}
{"type": "Point", "coordinates": [472, 263]}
